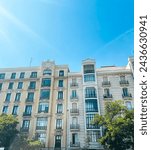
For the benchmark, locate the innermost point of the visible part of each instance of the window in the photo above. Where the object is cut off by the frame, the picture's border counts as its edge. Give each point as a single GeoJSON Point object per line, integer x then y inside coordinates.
{"type": "Point", "coordinates": [122, 78]}
{"type": "Point", "coordinates": [105, 79]}
{"type": "Point", "coordinates": [59, 108]}
{"type": "Point", "coordinates": [33, 75]}
{"type": "Point", "coordinates": [88, 78]}
{"type": "Point", "coordinates": [93, 135]}
{"type": "Point", "coordinates": [88, 69]}
{"type": "Point", "coordinates": [1, 86]}
{"type": "Point", "coordinates": [28, 110]}
{"type": "Point", "coordinates": [74, 94]}
{"type": "Point", "coordinates": [89, 125]}
{"type": "Point", "coordinates": [74, 121]}
{"type": "Point", "coordinates": [44, 94]}
{"type": "Point", "coordinates": [58, 141]}
{"type": "Point", "coordinates": [22, 75]}
{"type": "Point", "coordinates": [41, 137]}
{"type": "Point", "coordinates": [125, 92]}
{"type": "Point", "coordinates": [90, 92]}
{"type": "Point", "coordinates": [59, 124]}
{"type": "Point", "coordinates": [46, 82]}
{"type": "Point", "coordinates": [15, 110]}
{"type": "Point", "coordinates": [60, 83]}
{"type": "Point", "coordinates": [30, 96]}
{"type": "Point", "coordinates": [32, 85]}
{"type": "Point", "coordinates": [91, 105]}
{"type": "Point", "coordinates": [61, 73]}
{"type": "Point", "coordinates": [41, 123]}
{"type": "Point", "coordinates": [17, 97]}
{"type": "Point", "coordinates": [26, 124]}
{"type": "Point", "coordinates": [47, 72]}
{"type": "Point", "coordinates": [60, 95]}
{"type": "Point", "coordinates": [75, 139]}
{"type": "Point", "coordinates": [10, 86]}
{"type": "Point", "coordinates": [8, 95]}
{"type": "Point", "coordinates": [128, 105]}
{"type": "Point", "coordinates": [74, 105]}
{"type": "Point", "coordinates": [43, 107]}
{"type": "Point", "coordinates": [2, 75]}
{"type": "Point", "coordinates": [20, 85]}
{"type": "Point", "coordinates": [5, 109]}
{"type": "Point", "coordinates": [106, 92]}
{"type": "Point", "coordinates": [13, 76]}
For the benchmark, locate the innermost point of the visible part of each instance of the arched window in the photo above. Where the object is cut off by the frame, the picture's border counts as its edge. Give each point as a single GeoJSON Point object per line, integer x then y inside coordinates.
{"type": "Point", "coordinates": [47, 72]}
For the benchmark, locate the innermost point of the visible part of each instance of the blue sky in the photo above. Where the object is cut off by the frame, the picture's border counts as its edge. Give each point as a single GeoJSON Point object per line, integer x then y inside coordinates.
{"type": "Point", "coordinates": [66, 31]}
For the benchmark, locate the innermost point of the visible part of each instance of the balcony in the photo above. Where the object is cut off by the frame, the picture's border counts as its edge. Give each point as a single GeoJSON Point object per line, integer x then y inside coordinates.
{"type": "Point", "coordinates": [29, 100]}
{"type": "Point", "coordinates": [24, 129]}
{"type": "Point", "coordinates": [41, 127]}
{"type": "Point", "coordinates": [74, 97]}
{"type": "Point", "coordinates": [107, 96]}
{"type": "Point", "coordinates": [124, 83]}
{"type": "Point", "coordinates": [74, 126]}
{"type": "Point", "coordinates": [90, 96]}
{"type": "Point", "coordinates": [31, 87]}
{"type": "Point", "coordinates": [106, 83]}
{"type": "Point", "coordinates": [91, 110]}
{"type": "Point", "coordinates": [74, 111]}
{"type": "Point", "coordinates": [73, 84]}
{"type": "Point", "coordinates": [90, 126]}
{"type": "Point", "coordinates": [26, 114]}
{"type": "Point", "coordinates": [43, 111]}
{"type": "Point", "coordinates": [127, 96]}
{"type": "Point", "coordinates": [76, 144]}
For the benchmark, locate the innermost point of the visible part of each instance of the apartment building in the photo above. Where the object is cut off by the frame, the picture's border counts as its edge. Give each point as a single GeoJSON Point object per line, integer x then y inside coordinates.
{"type": "Point", "coordinates": [57, 106]}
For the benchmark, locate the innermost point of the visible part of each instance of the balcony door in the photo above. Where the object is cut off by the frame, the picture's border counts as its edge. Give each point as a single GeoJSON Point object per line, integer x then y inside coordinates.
{"type": "Point", "coordinates": [58, 142]}
{"type": "Point", "coordinates": [74, 138]}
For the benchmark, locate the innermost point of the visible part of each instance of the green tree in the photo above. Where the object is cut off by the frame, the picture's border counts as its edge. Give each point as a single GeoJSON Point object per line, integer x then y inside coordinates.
{"type": "Point", "coordinates": [22, 142]}
{"type": "Point", "coordinates": [8, 129]}
{"type": "Point", "coordinates": [117, 125]}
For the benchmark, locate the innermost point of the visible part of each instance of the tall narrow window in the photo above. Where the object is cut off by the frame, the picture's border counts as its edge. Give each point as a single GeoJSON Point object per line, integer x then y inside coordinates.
{"type": "Point", "coordinates": [20, 85]}
{"type": "Point", "coordinates": [15, 110]}
{"type": "Point", "coordinates": [59, 108]}
{"type": "Point", "coordinates": [17, 97]}
{"type": "Point", "coordinates": [59, 124]}
{"type": "Point", "coordinates": [60, 95]}
{"type": "Point", "coordinates": [61, 73]}
{"type": "Point", "coordinates": [30, 96]}
{"type": "Point", "coordinates": [8, 96]}
{"type": "Point", "coordinates": [22, 75]}
{"type": "Point", "coordinates": [125, 92]}
{"type": "Point", "coordinates": [13, 76]}
{"type": "Point", "coordinates": [32, 85]}
{"type": "Point", "coordinates": [60, 83]}
{"type": "Point", "coordinates": [28, 110]}
{"type": "Point", "coordinates": [1, 86]}
{"type": "Point", "coordinates": [10, 86]}
{"type": "Point", "coordinates": [5, 109]}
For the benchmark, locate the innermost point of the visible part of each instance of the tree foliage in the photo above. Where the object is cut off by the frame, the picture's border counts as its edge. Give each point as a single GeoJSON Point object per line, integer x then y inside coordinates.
{"type": "Point", "coordinates": [8, 129]}
{"type": "Point", "coordinates": [117, 125]}
{"type": "Point", "coordinates": [22, 142]}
